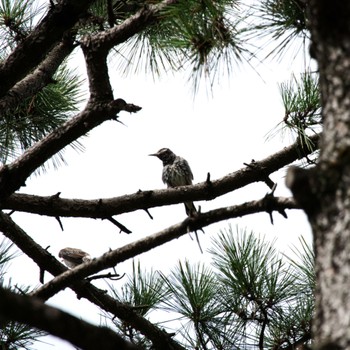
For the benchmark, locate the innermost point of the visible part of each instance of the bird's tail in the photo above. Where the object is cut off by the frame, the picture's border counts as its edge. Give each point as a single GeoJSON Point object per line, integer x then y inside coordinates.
{"type": "Point", "coordinates": [190, 209]}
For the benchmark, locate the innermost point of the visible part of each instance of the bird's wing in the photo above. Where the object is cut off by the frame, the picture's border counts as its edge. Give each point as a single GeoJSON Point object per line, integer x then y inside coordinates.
{"type": "Point", "coordinates": [186, 171]}
{"type": "Point", "coordinates": [73, 253]}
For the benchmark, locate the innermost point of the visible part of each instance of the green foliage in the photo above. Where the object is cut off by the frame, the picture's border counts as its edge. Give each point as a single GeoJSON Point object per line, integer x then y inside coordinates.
{"type": "Point", "coordinates": [252, 268]}
{"type": "Point", "coordinates": [99, 8]}
{"type": "Point", "coordinates": [5, 257]}
{"type": "Point", "coordinates": [304, 267]}
{"type": "Point", "coordinates": [283, 21]}
{"type": "Point", "coordinates": [285, 15]}
{"type": "Point", "coordinates": [40, 114]}
{"type": "Point", "coordinates": [16, 21]}
{"type": "Point", "coordinates": [259, 290]}
{"type": "Point", "coordinates": [296, 321]}
{"type": "Point", "coordinates": [291, 326]}
{"type": "Point", "coordinates": [18, 336]}
{"type": "Point", "coordinates": [301, 101]}
{"type": "Point", "coordinates": [201, 35]}
{"type": "Point", "coordinates": [14, 335]}
{"type": "Point", "coordinates": [43, 112]}
{"type": "Point", "coordinates": [252, 297]}
{"type": "Point", "coordinates": [194, 297]}
{"type": "Point", "coordinates": [144, 291]}
{"type": "Point", "coordinates": [302, 105]}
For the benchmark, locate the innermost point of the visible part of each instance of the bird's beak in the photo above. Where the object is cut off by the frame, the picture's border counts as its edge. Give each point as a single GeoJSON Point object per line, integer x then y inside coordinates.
{"type": "Point", "coordinates": [154, 154]}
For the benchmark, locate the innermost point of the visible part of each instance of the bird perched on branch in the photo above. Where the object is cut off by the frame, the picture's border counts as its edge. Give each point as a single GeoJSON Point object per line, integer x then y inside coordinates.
{"type": "Point", "coordinates": [73, 257]}
{"type": "Point", "coordinates": [177, 172]}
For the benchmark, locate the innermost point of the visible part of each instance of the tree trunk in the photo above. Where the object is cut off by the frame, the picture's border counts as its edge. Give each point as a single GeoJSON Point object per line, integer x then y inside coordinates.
{"type": "Point", "coordinates": [324, 192]}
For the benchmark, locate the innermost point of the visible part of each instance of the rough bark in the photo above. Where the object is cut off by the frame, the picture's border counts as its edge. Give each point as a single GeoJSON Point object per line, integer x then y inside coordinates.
{"type": "Point", "coordinates": [30, 56]}
{"type": "Point", "coordinates": [256, 171]}
{"type": "Point", "coordinates": [324, 191]}
{"type": "Point", "coordinates": [46, 262]}
{"type": "Point", "coordinates": [31, 51]}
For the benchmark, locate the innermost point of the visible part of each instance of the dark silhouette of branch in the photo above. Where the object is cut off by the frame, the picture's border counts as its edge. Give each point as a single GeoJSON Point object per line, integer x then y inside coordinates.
{"type": "Point", "coordinates": [121, 227]}
{"type": "Point", "coordinates": [110, 276]}
{"type": "Point", "coordinates": [160, 339]}
{"type": "Point", "coordinates": [101, 107]}
{"type": "Point", "coordinates": [60, 18]}
{"type": "Point", "coordinates": [33, 312]}
{"type": "Point", "coordinates": [59, 222]}
{"type": "Point", "coordinates": [270, 198]}
{"type": "Point", "coordinates": [42, 76]}
{"type": "Point", "coordinates": [263, 327]}
{"type": "Point", "coordinates": [102, 208]}
{"type": "Point", "coordinates": [96, 47]}
{"type": "Point", "coordinates": [143, 245]}
{"type": "Point", "coordinates": [73, 278]}
{"type": "Point", "coordinates": [33, 49]}
{"type": "Point", "coordinates": [267, 180]}
{"type": "Point", "coordinates": [146, 16]}
{"type": "Point", "coordinates": [14, 175]}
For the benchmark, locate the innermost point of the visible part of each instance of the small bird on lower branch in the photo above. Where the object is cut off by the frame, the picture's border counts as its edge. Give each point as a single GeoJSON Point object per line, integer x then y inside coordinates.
{"type": "Point", "coordinates": [73, 257]}
{"type": "Point", "coordinates": [177, 172]}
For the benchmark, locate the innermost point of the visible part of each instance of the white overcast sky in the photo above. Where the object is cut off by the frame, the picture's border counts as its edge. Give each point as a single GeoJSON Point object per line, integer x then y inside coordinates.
{"type": "Point", "coordinates": [216, 133]}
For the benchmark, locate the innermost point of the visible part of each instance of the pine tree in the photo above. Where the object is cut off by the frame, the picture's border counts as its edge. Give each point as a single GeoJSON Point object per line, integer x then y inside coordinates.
{"type": "Point", "coordinates": [250, 296]}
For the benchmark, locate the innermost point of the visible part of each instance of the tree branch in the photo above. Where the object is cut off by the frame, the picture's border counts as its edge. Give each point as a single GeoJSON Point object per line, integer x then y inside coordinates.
{"type": "Point", "coordinates": [96, 47]}
{"type": "Point", "coordinates": [35, 313]}
{"type": "Point", "coordinates": [160, 339]}
{"type": "Point", "coordinates": [60, 18]}
{"type": "Point", "coordinates": [72, 278]}
{"type": "Point", "coordinates": [14, 175]}
{"type": "Point", "coordinates": [134, 24]}
{"type": "Point", "coordinates": [102, 208]}
{"type": "Point", "coordinates": [41, 76]}
{"type": "Point", "coordinates": [32, 50]}
{"type": "Point", "coordinates": [114, 257]}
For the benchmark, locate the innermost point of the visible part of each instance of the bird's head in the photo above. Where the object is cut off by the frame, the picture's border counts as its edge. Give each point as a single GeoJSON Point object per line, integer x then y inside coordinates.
{"type": "Point", "coordinates": [73, 257]}
{"type": "Point", "coordinates": [165, 155]}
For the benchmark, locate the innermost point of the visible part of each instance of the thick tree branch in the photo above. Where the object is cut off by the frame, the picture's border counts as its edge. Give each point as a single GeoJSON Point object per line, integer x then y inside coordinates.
{"type": "Point", "coordinates": [114, 257]}
{"type": "Point", "coordinates": [35, 313]}
{"type": "Point", "coordinates": [24, 59]}
{"type": "Point", "coordinates": [134, 24]}
{"type": "Point", "coordinates": [42, 76]}
{"type": "Point", "coordinates": [60, 18]}
{"type": "Point", "coordinates": [46, 262]}
{"type": "Point", "coordinates": [329, 182]}
{"type": "Point", "coordinates": [97, 71]}
{"type": "Point", "coordinates": [14, 175]}
{"type": "Point", "coordinates": [32, 50]}
{"type": "Point", "coordinates": [103, 208]}
{"type": "Point", "coordinates": [96, 47]}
